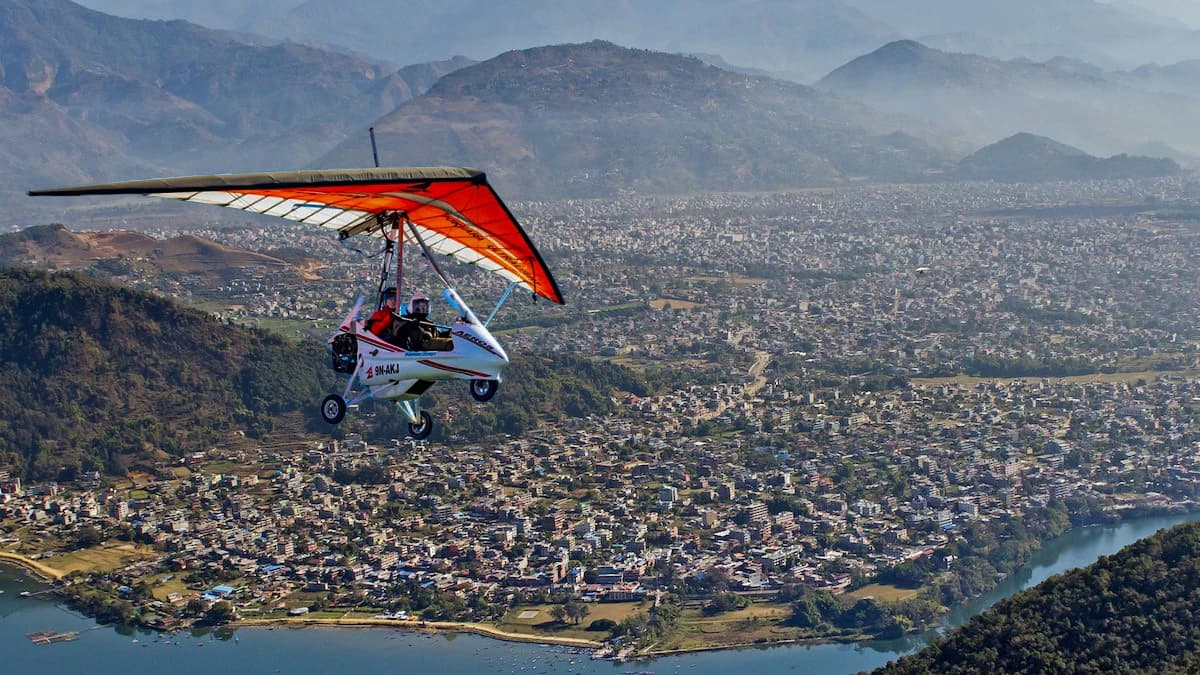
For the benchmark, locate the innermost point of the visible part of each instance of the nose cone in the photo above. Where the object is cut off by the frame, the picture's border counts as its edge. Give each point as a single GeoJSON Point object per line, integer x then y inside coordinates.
{"type": "Point", "coordinates": [496, 355]}
{"type": "Point", "coordinates": [498, 350]}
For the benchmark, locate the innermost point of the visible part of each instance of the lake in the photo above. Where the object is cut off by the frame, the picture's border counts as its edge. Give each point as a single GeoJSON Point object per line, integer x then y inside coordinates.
{"type": "Point", "coordinates": [103, 650]}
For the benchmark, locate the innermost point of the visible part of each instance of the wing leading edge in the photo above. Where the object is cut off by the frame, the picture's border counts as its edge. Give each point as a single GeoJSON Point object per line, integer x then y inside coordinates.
{"type": "Point", "coordinates": [455, 210]}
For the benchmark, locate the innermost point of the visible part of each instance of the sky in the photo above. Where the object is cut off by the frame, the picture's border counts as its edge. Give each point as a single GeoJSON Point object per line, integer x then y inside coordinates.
{"type": "Point", "coordinates": [1187, 11]}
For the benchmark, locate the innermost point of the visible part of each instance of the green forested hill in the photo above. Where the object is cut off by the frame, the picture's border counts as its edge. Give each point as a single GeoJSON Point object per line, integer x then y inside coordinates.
{"type": "Point", "coordinates": [1134, 612]}
{"type": "Point", "coordinates": [101, 377]}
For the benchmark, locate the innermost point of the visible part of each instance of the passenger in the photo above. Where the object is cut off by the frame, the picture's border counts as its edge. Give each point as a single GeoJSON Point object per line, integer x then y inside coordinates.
{"type": "Point", "coordinates": [381, 322]}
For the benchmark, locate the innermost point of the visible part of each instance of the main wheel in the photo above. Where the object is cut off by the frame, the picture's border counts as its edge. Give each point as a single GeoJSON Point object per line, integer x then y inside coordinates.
{"type": "Point", "coordinates": [421, 431]}
{"type": "Point", "coordinates": [484, 390]}
{"type": "Point", "coordinates": [333, 408]}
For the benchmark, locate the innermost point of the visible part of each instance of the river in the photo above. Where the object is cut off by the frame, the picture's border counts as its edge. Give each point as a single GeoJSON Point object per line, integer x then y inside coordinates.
{"type": "Point", "coordinates": [107, 651]}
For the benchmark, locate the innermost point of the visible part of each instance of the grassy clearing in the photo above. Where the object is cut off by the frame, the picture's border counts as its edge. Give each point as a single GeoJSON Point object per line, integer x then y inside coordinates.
{"type": "Point", "coordinates": [739, 280]}
{"type": "Point", "coordinates": [884, 593]}
{"type": "Point", "coordinates": [287, 328]}
{"type": "Point", "coordinates": [616, 308]}
{"type": "Point", "coordinates": [542, 623]}
{"type": "Point", "coordinates": [674, 303]}
{"type": "Point", "coordinates": [229, 468]}
{"type": "Point", "coordinates": [39, 568]}
{"type": "Point", "coordinates": [756, 610]}
{"type": "Point", "coordinates": [759, 623]}
{"type": "Point", "coordinates": [161, 587]}
{"type": "Point", "coordinates": [104, 558]}
{"type": "Point", "coordinates": [303, 599]}
{"type": "Point", "coordinates": [706, 636]}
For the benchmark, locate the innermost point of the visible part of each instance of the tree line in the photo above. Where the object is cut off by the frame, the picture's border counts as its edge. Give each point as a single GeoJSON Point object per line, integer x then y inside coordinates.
{"type": "Point", "coordinates": [99, 377]}
{"type": "Point", "coordinates": [1136, 611]}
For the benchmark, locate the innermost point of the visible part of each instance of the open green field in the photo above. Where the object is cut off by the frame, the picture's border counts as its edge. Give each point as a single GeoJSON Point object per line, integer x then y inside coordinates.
{"type": "Point", "coordinates": [102, 558]}
{"type": "Point", "coordinates": [616, 308]}
{"type": "Point", "coordinates": [735, 279]}
{"type": "Point", "coordinates": [538, 620]}
{"type": "Point", "coordinates": [759, 623]}
{"type": "Point", "coordinates": [673, 303]}
{"type": "Point", "coordinates": [287, 328]}
{"type": "Point", "coordinates": [884, 593]}
{"type": "Point", "coordinates": [161, 586]}
{"type": "Point", "coordinates": [229, 468]}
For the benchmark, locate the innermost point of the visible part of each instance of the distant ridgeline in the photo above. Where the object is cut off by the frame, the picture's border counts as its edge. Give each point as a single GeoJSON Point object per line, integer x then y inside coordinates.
{"type": "Point", "coordinates": [1136, 611]}
{"type": "Point", "coordinates": [100, 377]}
{"type": "Point", "coordinates": [1027, 157]}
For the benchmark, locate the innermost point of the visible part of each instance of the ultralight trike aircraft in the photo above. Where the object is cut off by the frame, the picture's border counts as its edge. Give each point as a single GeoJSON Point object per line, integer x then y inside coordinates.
{"type": "Point", "coordinates": [452, 211]}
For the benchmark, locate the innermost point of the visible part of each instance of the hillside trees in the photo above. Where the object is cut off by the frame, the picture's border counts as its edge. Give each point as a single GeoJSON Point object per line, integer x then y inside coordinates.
{"type": "Point", "coordinates": [1136, 611]}
{"type": "Point", "coordinates": [103, 377]}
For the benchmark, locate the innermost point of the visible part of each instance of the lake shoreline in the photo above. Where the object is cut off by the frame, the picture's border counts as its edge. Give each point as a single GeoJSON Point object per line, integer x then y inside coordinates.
{"type": "Point", "coordinates": [50, 575]}
{"type": "Point", "coordinates": [418, 626]}
{"type": "Point", "coordinates": [43, 572]}
{"type": "Point", "coordinates": [411, 626]}
{"type": "Point", "coordinates": [433, 627]}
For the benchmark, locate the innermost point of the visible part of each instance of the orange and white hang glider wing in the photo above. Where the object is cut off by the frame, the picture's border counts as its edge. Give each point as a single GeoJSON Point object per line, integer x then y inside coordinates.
{"type": "Point", "coordinates": [454, 209]}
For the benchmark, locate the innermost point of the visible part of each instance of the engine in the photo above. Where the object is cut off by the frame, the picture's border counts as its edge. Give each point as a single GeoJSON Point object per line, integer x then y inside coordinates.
{"type": "Point", "coordinates": [344, 352]}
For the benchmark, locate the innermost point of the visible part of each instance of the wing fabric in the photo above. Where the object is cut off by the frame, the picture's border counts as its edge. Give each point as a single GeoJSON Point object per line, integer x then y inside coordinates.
{"type": "Point", "coordinates": [456, 211]}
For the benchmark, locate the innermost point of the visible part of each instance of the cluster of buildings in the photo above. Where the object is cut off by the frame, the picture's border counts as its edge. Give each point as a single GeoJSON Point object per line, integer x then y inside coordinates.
{"type": "Point", "coordinates": [615, 508]}
{"type": "Point", "coordinates": [816, 434]}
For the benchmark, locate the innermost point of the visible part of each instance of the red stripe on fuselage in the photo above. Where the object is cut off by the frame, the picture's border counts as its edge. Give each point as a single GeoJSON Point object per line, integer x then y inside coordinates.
{"type": "Point", "coordinates": [442, 366]}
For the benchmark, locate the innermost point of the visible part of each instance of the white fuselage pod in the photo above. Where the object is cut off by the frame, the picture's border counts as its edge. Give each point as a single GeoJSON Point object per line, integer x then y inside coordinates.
{"type": "Point", "coordinates": [393, 374]}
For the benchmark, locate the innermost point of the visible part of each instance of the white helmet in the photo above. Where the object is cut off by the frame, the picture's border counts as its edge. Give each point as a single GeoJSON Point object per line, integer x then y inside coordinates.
{"type": "Point", "coordinates": [419, 306]}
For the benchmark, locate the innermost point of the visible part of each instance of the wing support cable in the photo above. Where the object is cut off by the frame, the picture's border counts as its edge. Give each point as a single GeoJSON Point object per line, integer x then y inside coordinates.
{"type": "Point", "coordinates": [507, 292]}
{"type": "Point", "coordinates": [428, 254]}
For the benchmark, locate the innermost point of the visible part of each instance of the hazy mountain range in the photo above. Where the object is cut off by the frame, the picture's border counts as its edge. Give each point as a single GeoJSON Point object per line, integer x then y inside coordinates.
{"type": "Point", "coordinates": [598, 119]}
{"type": "Point", "coordinates": [86, 96]}
{"type": "Point", "coordinates": [798, 39]}
{"type": "Point", "coordinates": [982, 99]}
{"type": "Point", "coordinates": [1027, 157]}
{"type": "Point", "coordinates": [89, 97]}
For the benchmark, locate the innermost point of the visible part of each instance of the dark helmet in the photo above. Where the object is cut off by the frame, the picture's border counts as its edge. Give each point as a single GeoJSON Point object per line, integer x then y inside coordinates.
{"type": "Point", "coordinates": [388, 293]}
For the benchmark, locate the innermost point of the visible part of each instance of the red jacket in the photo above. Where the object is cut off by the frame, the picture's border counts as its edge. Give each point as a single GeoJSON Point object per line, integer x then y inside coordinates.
{"type": "Point", "coordinates": [380, 321]}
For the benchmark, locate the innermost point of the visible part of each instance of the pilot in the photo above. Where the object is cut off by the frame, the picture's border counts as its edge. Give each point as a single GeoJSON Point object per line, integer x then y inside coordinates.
{"type": "Point", "coordinates": [418, 307]}
{"type": "Point", "coordinates": [414, 331]}
{"type": "Point", "coordinates": [381, 321]}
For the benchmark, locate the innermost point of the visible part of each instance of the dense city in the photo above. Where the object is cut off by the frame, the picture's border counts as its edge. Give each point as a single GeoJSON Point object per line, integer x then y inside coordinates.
{"type": "Point", "coordinates": [875, 394]}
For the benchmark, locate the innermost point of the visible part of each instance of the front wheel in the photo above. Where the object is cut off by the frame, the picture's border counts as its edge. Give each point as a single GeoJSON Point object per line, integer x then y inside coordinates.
{"type": "Point", "coordinates": [484, 390]}
{"type": "Point", "coordinates": [420, 432]}
{"type": "Point", "coordinates": [333, 408]}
